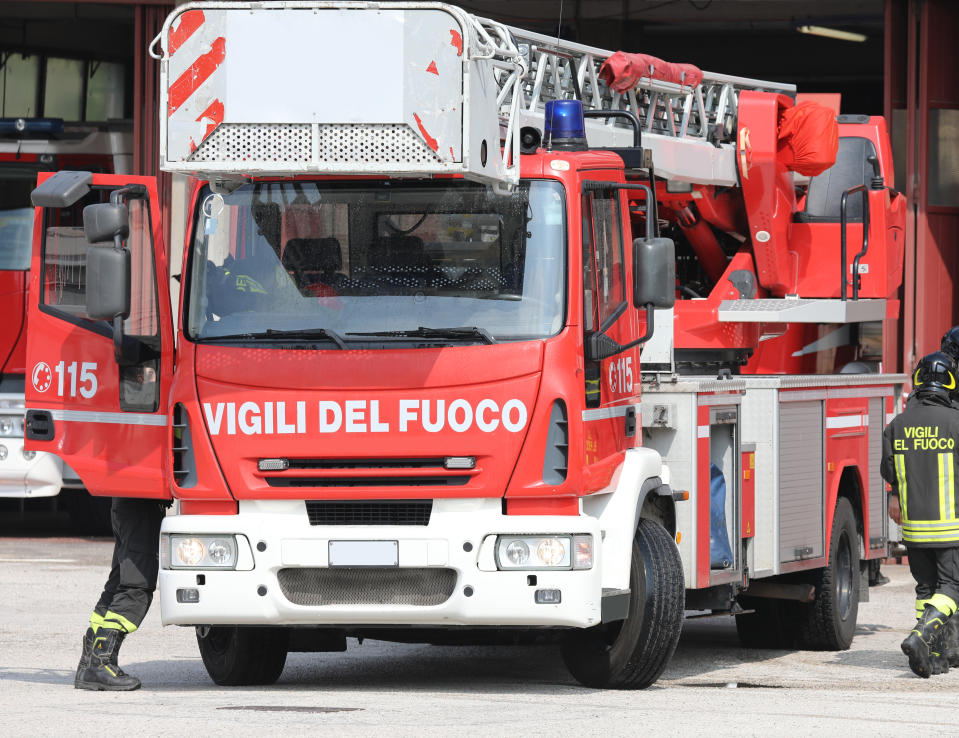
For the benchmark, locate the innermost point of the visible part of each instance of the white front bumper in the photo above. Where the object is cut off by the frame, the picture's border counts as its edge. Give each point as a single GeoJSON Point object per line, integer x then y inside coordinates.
{"type": "Point", "coordinates": [41, 476]}
{"type": "Point", "coordinates": [480, 596]}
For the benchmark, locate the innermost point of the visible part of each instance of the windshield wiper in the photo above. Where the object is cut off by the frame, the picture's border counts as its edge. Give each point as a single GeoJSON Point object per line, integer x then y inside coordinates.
{"type": "Point", "coordinates": [466, 331]}
{"type": "Point", "coordinates": [306, 333]}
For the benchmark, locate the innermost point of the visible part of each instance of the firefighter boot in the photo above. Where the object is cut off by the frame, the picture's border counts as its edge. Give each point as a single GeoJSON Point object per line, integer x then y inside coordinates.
{"type": "Point", "coordinates": [922, 644]}
{"type": "Point", "coordinates": [938, 663]}
{"type": "Point", "coordinates": [950, 642]}
{"type": "Point", "coordinates": [103, 673]}
{"type": "Point", "coordinates": [85, 657]}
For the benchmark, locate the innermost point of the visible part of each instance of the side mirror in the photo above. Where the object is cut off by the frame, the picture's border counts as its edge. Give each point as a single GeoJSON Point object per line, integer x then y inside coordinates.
{"type": "Point", "coordinates": [108, 282]}
{"type": "Point", "coordinates": [106, 222]}
{"type": "Point", "coordinates": [62, 190]}
{"type": "Point", "coordinates": [654, 272]}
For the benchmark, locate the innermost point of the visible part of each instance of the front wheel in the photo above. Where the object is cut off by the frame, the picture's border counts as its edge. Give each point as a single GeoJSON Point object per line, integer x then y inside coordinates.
{"type": "Point", "coordinates": [829, 622]}
{"type": "Point", "coordinates": [235, 656]}
{"type": "Point", "coordinates": [631, 654]}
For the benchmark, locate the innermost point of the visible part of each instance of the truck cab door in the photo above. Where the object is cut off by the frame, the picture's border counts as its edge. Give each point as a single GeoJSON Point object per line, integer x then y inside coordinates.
{"type": "Point", "coordinates": [613, 383]}
{"type": "Point", "coordinates": [100, 409]}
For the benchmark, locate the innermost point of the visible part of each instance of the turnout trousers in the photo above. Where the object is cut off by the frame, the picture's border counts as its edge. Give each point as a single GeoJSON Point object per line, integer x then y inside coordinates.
{"type": "Point", "coordinates": [936, 571]}
{"type": "Point", "coordinates": [129, 588]}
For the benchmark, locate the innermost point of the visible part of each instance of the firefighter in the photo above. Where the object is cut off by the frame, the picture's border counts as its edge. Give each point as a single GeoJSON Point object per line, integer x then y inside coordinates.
{"type": "Point", "coordinates": [126, 595]}
{"type": "Point", "coordinates": [231, 288]}
{"type": "Point", "coordinates": [950, 343]}
{"type": "Point", "coordinates": [950, 346]}
{"type": "Point", "coordinates": [920, 461]}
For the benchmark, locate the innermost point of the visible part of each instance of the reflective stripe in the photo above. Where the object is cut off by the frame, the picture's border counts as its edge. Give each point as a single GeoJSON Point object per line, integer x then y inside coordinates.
{"type": "Point", "coordinates": [943, 603]}
{"type": "Point", "coordinates": [846, 421]}
{"type": "Point", "coordinates": [96, 621]}
{"type": "Point", "coordinates": [605, 413]}
{"type": "Point", "coordinates": [951, 490]}
{"type": "Point", "coordinates": [931, 525]}
{"type": "Point", "coordinates": [118, 622]}
{"type": "Point", "coordinates": [900, 460]}
{"type": "Point", "coordinates": [930, 536]}
{"type": "Point", "coordinates": [943, 485]}
{"type": "Point", "coordinates": [90, 416]}
{"type": "Point", "coordinates": [920, 608]}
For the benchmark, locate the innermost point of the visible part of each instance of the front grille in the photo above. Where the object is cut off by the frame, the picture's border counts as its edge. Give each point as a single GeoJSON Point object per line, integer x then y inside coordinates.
{"type": "Point", "coordinates": [393, 586]}
{"type": "Point", "coordinates": [374, 512]}
{"type": "Point", "coordinates": [400, 463]}
{"type": "Point", "coordinates": [438, 481]}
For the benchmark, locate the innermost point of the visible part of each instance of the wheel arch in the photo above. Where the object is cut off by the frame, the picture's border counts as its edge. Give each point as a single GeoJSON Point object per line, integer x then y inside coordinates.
{"type": "Point", "coordinates": [639, 490]}
{"type": "Point", "coordinates": [656, 503]}
{"type": "Point", "coordinates": [850, 487]}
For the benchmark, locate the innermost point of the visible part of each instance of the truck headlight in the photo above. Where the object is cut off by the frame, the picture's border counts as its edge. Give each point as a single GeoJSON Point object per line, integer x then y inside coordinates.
{"type": "Point", "coordinates": [201, 552]}
{"type": "Point", "coordinates": [517, 553]}
{"type": "Point", "coordinates": [8, 425]}
{"type": "Point", "coordinates": [545, 552]}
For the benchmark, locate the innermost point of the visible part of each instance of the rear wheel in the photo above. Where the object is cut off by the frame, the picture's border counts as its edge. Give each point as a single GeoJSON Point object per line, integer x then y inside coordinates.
{"type": "Point", "coordinates": [829, 622]}
{"type": "Point", "coordinates": [631, 654]}
{"type": "Point", "coordinates": [235, 655]}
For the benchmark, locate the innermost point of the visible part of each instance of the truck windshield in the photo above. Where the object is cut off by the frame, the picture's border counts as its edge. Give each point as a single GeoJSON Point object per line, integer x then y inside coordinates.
{"type": "Point", "coordinates": [400, 260]}
{"type": "Point", "coordinates": [16, 216]}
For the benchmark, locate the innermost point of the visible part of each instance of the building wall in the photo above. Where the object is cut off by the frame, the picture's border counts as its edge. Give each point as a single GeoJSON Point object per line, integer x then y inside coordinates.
{"type": "Point", "coordinates": [922, 103]}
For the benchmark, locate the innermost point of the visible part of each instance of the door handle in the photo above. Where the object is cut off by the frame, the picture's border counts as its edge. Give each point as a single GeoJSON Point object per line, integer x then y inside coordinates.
{"type": "Point", "coordinates": [39, 425]}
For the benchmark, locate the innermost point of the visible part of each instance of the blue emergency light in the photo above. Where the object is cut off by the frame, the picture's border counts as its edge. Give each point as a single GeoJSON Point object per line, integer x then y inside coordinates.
{"type": "Point", "coordinates": [565, 125]}
{"type": "Point", "coordinates": [30, 127]}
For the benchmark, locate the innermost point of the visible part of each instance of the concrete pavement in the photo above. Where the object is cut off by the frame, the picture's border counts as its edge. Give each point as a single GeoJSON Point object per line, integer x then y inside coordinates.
{"type": "Point", "coordinates": [713, 685]}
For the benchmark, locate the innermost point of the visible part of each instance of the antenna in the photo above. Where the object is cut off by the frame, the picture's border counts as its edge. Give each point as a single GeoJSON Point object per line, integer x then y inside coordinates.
{"type": "Point", "coordinates": [548, 124]}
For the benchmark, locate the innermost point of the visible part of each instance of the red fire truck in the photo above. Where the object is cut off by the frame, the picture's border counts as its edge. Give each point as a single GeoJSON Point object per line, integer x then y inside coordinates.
{"type": "Point", "coordinates": [29, 146]}
{"type": "Point", "coordinates": [456, 360]}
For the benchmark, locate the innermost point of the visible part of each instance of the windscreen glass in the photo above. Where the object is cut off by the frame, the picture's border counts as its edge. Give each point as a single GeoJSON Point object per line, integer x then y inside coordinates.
{"type": "Point", "coordinates": [378, 257]}
{"type": "Point", "coordinates": [16, 216]}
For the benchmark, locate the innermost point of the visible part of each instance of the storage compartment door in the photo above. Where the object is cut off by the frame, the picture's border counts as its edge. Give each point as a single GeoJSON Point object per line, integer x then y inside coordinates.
{"type": "Point", "coordinates": [801, 480]}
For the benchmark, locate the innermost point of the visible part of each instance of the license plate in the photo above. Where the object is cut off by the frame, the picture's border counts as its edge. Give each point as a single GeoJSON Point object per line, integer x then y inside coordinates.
{"type": "Point", "coordinates": [364, 553]}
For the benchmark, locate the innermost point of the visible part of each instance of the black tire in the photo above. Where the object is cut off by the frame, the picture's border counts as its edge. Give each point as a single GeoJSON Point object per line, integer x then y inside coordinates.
{"type": "Point", "coordinates": [237, 656]}
{"type": "Point", "coordinates": [769, 626]}
{"type": "Point", "coordinates": [631, 654]}
{"type": "Point", "coordinates": [829, 622]}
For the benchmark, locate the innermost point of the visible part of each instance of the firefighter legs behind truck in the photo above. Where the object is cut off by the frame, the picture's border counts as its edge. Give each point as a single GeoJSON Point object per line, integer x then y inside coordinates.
{"type": "Point", "coordinates": [126, 595]}
{"type": "Point", "coordinates": [936, 571]}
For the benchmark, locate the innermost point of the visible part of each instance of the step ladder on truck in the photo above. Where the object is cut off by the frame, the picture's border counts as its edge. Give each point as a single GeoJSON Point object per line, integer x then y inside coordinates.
{"type": "Point", "coordinates": [406, 398]}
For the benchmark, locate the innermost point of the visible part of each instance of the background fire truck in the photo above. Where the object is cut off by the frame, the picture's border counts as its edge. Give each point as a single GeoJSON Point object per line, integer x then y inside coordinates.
{"type": "Point", "coordinates": [29, 146]}
{"type": "Point", "coordinates": [55, 113]}
{"type": "Point", "coordinates": [407, 400]}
